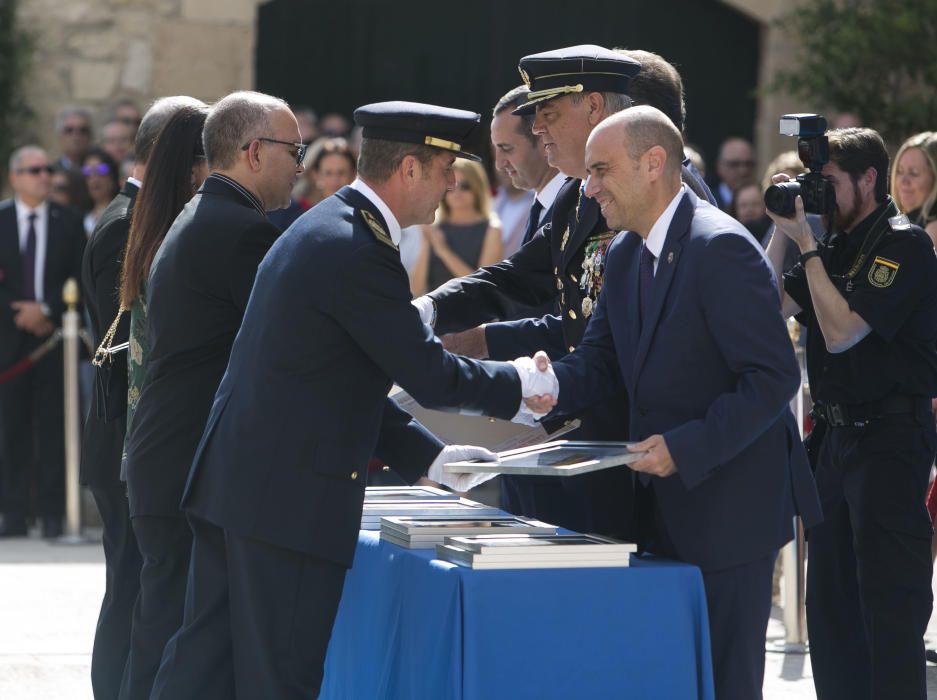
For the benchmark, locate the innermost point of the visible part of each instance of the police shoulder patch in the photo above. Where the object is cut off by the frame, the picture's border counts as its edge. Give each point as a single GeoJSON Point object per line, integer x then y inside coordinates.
{"type": "Point", "coordinates": [883, 272]}
{"type": "Point", "coordinates": [376, 228]}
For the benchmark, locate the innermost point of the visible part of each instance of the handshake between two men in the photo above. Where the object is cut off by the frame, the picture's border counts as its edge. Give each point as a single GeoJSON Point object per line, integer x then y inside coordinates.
{"type": "Point", "coordinates": [540, 391]}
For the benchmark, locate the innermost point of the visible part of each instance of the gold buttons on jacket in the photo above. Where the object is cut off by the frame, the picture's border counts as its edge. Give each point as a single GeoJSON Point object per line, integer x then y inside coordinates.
{"type": "Point", "coordinates": [572, 347]}
{"type": "Point", "coordinates": [559, 283]}
{"type": "Point", "coordinates": [573, 278]}
{"type": "Point", "coordinates": [354, 475]}
{"type": "Point", "coordinates": [572, 314]}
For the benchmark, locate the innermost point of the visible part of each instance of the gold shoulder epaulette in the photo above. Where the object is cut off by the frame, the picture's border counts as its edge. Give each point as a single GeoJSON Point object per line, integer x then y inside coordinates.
{"type": "Point", "coordinates": [376, 228]}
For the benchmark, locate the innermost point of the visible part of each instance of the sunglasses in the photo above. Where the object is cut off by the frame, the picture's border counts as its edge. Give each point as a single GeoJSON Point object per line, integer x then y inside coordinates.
{"type": "Point", "coordinates": [76, 130]}
{"type": "Point", "coordinates": [37, 170]}
{"type": "Point", "coordinates": [300, 147]}
{"type": "Point", "coordinates": [99, 169]}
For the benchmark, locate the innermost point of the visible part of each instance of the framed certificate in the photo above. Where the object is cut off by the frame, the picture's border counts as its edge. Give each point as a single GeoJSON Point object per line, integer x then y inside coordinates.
{"type": "Point", "coordinates": [558, 458]}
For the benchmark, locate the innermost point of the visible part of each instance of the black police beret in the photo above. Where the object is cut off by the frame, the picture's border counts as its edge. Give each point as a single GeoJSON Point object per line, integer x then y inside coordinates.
{"type": "Point", "coordinates": [414, 122]}
{"type": "Point", "coordinates": [576, 69]}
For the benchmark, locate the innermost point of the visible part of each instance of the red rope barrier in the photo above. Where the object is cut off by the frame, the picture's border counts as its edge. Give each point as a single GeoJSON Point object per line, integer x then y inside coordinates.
{"type": "Point", "coordinates": [21, 366]}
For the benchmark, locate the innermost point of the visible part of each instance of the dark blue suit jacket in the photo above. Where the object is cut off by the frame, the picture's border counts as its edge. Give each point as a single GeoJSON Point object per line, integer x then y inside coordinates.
{"type": "Point", "coordinates": [303, 404]}
{"type": "Point", "coordinates": [713, 371]}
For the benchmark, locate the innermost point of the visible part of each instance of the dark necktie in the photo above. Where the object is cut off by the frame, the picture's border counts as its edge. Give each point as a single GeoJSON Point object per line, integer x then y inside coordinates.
{"type": "Point", "coordinates": [646, 281]}
{"type": "Point", "coordinates": [533, 222]}
{"type": "Point", "coordinates": [29, 259]}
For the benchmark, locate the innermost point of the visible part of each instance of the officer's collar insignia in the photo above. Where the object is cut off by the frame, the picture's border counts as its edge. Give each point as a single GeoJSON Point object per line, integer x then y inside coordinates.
{"type": "Point", "coordinates": [376, 228]}
{"type": "Point", "coordinates": [883, 272]}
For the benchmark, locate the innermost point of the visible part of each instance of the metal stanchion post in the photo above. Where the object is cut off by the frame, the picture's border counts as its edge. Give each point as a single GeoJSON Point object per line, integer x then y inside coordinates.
{"type": "Point", "coordinates": [71, 321]}
{"type": "Point", "coordinates": [793, 556]}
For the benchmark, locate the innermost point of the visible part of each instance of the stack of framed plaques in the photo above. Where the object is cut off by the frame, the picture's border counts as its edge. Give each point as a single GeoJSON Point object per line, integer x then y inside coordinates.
{"type": "Point", "coordinates": [426, 532]}
{"type": "Point", "coordinates": [374, 510]}
{"type": "Point", "coordinates": [407, 493]}
{"type": "Point", "coordinates": [535, 551]}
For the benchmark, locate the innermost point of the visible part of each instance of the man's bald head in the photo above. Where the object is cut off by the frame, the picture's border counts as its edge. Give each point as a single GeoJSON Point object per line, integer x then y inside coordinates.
{"type": "Point", "coordinates": [641, 128]}
{"type": "Point", "coordinates": [633, 159]}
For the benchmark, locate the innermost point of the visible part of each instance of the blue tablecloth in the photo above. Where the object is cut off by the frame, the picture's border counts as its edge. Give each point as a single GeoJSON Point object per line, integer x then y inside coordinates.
{"type": "Point", "coordinates": [415, 628]}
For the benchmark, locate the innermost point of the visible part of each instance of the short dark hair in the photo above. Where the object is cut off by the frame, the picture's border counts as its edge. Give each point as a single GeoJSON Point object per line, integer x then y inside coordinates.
{"type": "Point", "coordinates": [855, 150]}
{"type": "Point", "coordinates": [378, 158]}
{"type": "Point", "coordinates": [657, 84]}
{"type": "Point", "coordinates": [155, 119]}
{"type": "Point", "coordinates": [513, 99]}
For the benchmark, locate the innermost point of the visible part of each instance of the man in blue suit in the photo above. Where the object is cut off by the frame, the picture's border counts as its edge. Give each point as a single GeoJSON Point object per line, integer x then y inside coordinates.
{"type": "Point", "coordinates": [275, 494]}
{"type": "Point", "coordinates": [688, 324]}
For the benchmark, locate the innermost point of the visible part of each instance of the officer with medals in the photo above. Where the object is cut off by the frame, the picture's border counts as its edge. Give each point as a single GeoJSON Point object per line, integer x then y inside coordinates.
{"type": "Point", "coordinates": [571, 91]}
{"type": "Point", "coordinates": [275, 494]}
{"type": "Point", "coordinates": [868, 297]}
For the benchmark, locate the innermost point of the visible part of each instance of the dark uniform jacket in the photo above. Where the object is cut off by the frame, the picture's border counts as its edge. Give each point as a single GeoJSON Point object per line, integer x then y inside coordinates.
{"type": "Point", "coordinates": [564, 262]}
{"type": "Point", "coordinates": [303, 405]}
{"type": "Point", "coordinates": [196, 295]}
{"type": "Point", "coordinates": [65, 244]}
{"type": "Point", "coordinates": [103, 440]}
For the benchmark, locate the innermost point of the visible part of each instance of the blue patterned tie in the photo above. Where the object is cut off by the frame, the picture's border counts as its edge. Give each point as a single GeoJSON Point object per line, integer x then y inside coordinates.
{"type": "Point", "coordinates": [29, 259]}
{"type": "Point", "coordinates": [646, 281]}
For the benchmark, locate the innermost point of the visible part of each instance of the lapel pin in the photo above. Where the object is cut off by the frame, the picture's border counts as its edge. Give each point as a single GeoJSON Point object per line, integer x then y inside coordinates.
{"type": "Point", "coordinates": [670, 257]}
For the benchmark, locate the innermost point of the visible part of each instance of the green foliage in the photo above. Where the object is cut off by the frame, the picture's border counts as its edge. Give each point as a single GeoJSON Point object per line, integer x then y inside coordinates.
{"type": "Point", "coordinates": [16, 47]}
{"type": "Point", "coordinates": [877, 58]}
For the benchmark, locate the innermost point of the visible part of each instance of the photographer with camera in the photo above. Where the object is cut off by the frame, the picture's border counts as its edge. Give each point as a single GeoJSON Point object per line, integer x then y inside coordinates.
{"type": "Point", "coordinates": [868, 297]}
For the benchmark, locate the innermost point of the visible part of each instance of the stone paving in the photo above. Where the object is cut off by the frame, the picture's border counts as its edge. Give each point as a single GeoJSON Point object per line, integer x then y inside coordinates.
{"type": "Point", "coordinates": [49, 597]}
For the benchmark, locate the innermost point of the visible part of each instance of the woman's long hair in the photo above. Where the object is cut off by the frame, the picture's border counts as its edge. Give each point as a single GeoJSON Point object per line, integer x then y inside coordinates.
{"type": "Point", "coordinates": [167, 188]}
{"type": "Point", "coordinates": [926, 142]}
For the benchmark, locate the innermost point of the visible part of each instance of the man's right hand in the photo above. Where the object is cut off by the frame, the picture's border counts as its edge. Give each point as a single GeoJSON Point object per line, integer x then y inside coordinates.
{"type": "Point", "coordinates": [471, 343]}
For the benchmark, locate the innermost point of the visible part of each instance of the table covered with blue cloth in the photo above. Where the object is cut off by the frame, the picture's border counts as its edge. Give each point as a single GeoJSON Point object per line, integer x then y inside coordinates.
{"type": "Point", "coordinates": [410, 626]}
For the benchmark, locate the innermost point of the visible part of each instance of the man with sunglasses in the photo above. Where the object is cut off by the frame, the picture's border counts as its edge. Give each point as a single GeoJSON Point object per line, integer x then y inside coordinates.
{"type": "Point", "coordinates": [73, 126]}
{"type": "Point", "coordinates": [196, 295]}
{"type": "Point", "coordinates": [40, 248]}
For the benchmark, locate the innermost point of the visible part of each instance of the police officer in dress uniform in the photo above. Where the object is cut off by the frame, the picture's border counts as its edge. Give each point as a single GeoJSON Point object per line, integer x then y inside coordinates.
{"type": "Point", "coordinates": [572, 90]}
{"type": "Point", "coordinates": [868, 298]}
{"type": "Point", "coordinates": [276, 489]}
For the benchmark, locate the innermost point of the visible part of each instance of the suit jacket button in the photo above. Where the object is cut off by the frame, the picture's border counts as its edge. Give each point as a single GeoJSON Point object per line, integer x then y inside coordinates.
{"type": "Point", "coordinates": [354, 475]}
{"type": "Point", "coordinates": [572, 347]}
{"type": "Point", "coordinates": [572, 314]}
{"type": "Point", "coordinates": [559, 283]}
{"type": "Point", "coordinates": [573, 277]}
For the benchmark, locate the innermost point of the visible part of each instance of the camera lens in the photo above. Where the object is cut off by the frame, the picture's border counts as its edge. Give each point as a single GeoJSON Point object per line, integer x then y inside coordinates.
{"type": "Point", "coordinates": [779, 199]}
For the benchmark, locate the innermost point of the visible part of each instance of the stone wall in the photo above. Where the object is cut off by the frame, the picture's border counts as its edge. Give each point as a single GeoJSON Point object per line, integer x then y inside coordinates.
{"type": "Point", "coordinates": [91, 52]}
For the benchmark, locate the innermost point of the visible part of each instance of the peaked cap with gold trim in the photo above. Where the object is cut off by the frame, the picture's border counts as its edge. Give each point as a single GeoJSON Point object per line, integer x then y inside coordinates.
{"type": "Point", "coordinates": [576, 69]}
{"type": "Point", "coordinates": [415, 122]}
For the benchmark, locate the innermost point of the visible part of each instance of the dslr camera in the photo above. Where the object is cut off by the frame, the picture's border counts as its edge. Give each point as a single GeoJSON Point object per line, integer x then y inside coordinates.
{"type": "Point", "coordinates": [814, 150]}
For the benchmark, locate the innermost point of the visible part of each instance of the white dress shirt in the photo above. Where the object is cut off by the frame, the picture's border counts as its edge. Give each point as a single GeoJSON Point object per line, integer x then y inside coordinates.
{"type": "Point", "coordinates": [658, 235]}
{"type": "Point", "coordinates": [393, 227]}
{"type": "Point", "coordinates": [547, 195]}
{"type": "Point", "coordinates": [42, 238]}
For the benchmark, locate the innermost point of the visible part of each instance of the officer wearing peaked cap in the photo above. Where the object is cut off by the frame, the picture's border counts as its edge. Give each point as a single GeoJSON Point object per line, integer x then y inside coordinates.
{"type": "Point", "coordinates": [275, 493]}
{"type": "Point", "coordinates": [571, 90]}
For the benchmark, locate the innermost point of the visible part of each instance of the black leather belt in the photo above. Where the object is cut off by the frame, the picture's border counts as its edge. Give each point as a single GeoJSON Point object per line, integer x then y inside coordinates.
{"type": "Point", "coordinates": [858, 415]}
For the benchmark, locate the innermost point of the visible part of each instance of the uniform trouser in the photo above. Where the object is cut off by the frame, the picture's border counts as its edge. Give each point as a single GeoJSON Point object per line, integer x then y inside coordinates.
{"type": "Point", "coordinates": [122, 564]}
{"type": "Point", "coordinates": [165, 544]}
{"type": "Point", "coordinates": [869, 574]}
{"type": "Point", "coordinates": [32, 425]}
{"type": "Point", "coordinates": [257, 622]}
